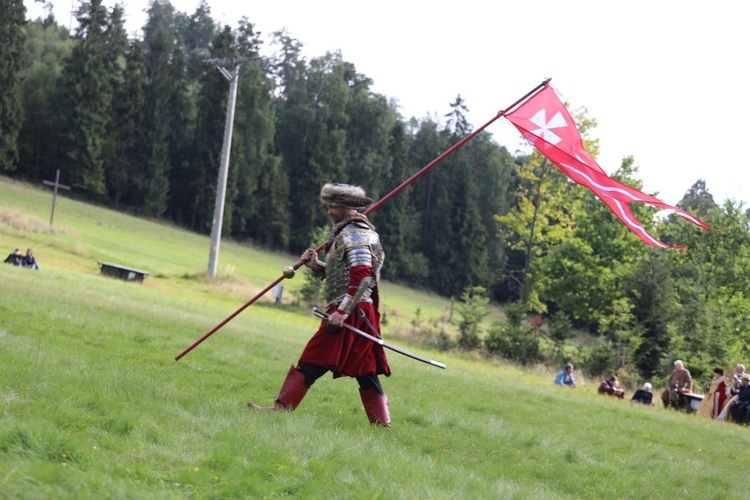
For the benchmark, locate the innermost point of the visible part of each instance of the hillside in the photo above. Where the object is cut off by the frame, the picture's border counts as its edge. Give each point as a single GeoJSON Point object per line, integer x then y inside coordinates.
{"type": "Point", "coordinates": [93, 404]}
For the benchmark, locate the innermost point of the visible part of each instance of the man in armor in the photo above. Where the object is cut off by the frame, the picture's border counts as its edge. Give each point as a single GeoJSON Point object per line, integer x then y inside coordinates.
{"type": "Point", "coordinates": [351, 271]}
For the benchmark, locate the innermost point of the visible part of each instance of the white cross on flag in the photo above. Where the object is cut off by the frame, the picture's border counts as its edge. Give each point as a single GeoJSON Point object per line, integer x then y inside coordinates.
{"type": "Point", "coordinates": [558, 139]}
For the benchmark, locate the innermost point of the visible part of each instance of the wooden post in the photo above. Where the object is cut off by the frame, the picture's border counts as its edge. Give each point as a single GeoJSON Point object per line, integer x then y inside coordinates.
{"type": "Point", "coordinates": [56, 185]}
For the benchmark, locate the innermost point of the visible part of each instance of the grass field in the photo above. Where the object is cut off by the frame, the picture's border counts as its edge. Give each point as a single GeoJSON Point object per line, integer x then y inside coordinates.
{"type": "Point", "coordinates": [93, 405]}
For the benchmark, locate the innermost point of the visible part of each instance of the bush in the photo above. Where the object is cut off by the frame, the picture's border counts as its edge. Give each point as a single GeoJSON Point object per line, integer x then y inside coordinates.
{"type": "Point", "coordinates": [513, 342]}
{"type": "Point", "coordinates": [311, 293]}
{"type": "Point", "coordinates": [602, 359]}
{"type": "Point", "coordinates": [472, 311]}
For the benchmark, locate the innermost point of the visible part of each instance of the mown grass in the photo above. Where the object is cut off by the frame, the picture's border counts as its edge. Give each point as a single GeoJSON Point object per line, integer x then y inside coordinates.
{"type": "Point", "coordinates": [93, 405]}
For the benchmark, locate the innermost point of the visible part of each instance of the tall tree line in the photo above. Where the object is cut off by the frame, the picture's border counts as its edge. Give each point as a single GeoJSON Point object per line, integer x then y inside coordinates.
{"type": "Point", "coordinates": [137, 123]}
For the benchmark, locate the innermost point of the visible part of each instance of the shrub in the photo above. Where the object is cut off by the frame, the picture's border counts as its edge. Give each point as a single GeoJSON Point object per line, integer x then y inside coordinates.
{"type": "Point", "coordinates": [513, 342]}
{"type": "Point", "coordinates": [602, 359]}
{"type": "Point", "coordinates": [472, 311]}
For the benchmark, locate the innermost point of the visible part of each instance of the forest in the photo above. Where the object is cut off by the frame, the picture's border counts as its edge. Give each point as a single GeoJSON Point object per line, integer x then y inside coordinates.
{"type": "Point", "coordinates": [137, 124]}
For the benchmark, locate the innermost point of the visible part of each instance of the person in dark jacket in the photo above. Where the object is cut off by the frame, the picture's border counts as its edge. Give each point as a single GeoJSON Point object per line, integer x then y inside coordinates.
{"type": "Point", "coordinates": [644, 396]}
{"type": "Point", "coordinates": [612, 387]}
{"type": "Point", "coordinates": [30, 261]}
{"type": "Point", "coordinates": [739, 408]}
{"type": "Point", "coordinates": [15, 258]}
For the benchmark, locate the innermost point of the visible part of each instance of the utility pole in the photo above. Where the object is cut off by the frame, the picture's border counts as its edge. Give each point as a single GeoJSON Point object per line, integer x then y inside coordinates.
{"type": "Point", "coordinates": [230, 68]}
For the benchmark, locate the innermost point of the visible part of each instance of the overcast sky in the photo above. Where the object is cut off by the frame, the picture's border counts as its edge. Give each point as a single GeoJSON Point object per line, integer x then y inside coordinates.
{"type": "Point", "coordinates": [661, 78]}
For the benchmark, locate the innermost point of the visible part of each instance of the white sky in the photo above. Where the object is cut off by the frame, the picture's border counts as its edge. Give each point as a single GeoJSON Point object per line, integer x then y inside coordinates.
{"type": "Point", "coordinates": [660, 76]}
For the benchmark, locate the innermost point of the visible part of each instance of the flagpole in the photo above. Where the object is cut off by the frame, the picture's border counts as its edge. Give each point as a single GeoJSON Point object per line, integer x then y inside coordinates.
{"type": "Point", "coordinates": [290, 270]}
{"type": "Point", "coordinates": [451, 150]}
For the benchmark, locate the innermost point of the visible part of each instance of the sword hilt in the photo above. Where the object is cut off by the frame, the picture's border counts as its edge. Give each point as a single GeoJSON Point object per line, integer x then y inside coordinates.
{"type": "Point", "coordinates": [318, 313]}
{"type": "Point", "coordinates": [323, 315]}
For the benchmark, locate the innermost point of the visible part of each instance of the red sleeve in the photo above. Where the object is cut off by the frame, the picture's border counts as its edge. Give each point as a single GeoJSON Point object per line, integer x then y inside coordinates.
{"type": "Point", "coordinates": [356, 274]}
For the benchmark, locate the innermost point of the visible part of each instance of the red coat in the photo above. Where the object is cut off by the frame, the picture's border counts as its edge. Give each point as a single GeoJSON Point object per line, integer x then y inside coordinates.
{"type": "Point", "coordinates": [345, 353]}
{"type": "Point", "coordinates": [720, 396]}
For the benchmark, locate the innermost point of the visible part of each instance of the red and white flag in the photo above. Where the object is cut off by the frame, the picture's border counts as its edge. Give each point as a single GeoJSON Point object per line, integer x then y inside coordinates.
{"type": "Point", "coordinates": [546, 123]}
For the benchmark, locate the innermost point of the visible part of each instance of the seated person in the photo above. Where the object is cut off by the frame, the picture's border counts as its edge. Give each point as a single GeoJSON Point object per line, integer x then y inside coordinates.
{"type": "Point", "coordinates": [738, 409]}
{"type": "Point", "coordinates": [565, 377]}
{"type": "Point", "coordinates": [718, 392]}
{"type": "Point", "coordinates": [679, 382]}
{"type": "Point", "coordinates": [643, 396]}
{"type": "Point", "coordinates": [15, 258]}
{"type": "Point", "coordinates": [612, 387]}
{"type": "Point", "coordinates": [734, 388]}
{"type": "Point", "coordinates": [29, 260]}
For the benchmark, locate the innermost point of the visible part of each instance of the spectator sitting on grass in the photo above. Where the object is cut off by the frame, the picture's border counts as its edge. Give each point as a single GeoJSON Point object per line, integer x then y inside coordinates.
{"type": "Point", "coordinates": [612, 387]}
{"type": "Point", "coordinates": [15, 258]}
{"type": "Point", "coordinates": [644, 396]}
{"type": "Point", "coordinates": [734, 388]}
{"type": "Point", "coordinates": [738, 409]}
{"type": "Point", "coordinates": [565, 377]}
{"type": "Point", "coordinates": [29, 260]}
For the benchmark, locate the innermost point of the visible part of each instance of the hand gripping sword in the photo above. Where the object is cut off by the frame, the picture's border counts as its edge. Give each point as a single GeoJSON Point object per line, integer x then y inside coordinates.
{"type": "Point", "coordinates": [323, 315]}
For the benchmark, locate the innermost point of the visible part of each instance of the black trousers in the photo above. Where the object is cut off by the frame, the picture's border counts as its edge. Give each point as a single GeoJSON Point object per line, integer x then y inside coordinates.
{"type": "Point", "coordinates": [314, 372]}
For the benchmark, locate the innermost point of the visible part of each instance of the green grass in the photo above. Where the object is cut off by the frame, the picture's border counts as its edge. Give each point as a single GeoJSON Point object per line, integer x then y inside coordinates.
{"type": "Point", "coordinates": [93, 405]}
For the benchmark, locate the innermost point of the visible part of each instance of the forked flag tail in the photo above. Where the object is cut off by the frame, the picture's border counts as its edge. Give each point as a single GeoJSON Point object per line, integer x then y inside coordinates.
{"type": "Point", "coordinates": [545, 122]}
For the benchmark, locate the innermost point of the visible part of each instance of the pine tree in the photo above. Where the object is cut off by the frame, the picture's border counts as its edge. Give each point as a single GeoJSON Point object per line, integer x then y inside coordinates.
{"type": "Point", "coordinates": [397, 222]}
{"type": "Point", "coordinates": [368, 134]}
{"type": "Point", "coordinates": [182, 126]}
{"type": "Point", "coordinates": [492, 169]}
{"type": "Point", "coordinates": [260, 209]}
{"type": "Point", "coordinates": [164, 81]}
{"type": "Point", "coordinates": [652, 292]}
{"type": "Point", "coordinates": [124, 174]}
{"type": "Point", "coordinates": [88, 84]}
{"type": "Point", "coordinates": [431, 214]}
{"type": "Point", "coordinates": [40, 152]}
{"type": "Point", "coordinates": [208, 140]}
{"type": "Point", "coordinates": [12, 38]}
{"type": "Point", "coordinates": [312, 141]}
{"type": "Point", "coordinates": [197, 32]}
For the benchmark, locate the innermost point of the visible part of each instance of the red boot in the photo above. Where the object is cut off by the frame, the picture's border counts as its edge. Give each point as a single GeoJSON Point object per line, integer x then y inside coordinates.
{"type": "Point", "coordinates": [376, 407]}
{"type": "Point", "coordinates": [290, 395]}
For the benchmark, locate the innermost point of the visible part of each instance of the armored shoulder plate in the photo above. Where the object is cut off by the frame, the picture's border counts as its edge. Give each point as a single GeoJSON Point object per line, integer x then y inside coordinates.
{"type": "Point", "coordinates": [356, 245]}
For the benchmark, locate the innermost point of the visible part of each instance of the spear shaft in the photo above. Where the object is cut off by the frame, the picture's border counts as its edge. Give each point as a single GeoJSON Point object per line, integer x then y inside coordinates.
{"type": "Point", "coordinates": [289, 270]}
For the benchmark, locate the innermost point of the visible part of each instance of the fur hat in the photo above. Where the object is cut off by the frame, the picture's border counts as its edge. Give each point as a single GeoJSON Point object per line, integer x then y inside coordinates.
{"type": "Point", "coordinates": [344, 195]}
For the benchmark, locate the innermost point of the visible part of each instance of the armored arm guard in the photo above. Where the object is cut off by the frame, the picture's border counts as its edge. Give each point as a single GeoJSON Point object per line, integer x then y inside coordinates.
{"type": "Point", "coordinates": [320, 269]}
{"type": "Point", "coordinates": [349, 301]}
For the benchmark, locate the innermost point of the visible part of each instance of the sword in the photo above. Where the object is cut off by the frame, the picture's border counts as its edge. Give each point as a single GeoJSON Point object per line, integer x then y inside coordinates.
{"type": "Point", "coordinates": [323, 315]}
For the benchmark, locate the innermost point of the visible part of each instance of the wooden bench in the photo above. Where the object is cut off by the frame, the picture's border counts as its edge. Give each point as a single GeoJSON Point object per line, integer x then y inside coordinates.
{"type": "Point", "coordinates": [122, 272]}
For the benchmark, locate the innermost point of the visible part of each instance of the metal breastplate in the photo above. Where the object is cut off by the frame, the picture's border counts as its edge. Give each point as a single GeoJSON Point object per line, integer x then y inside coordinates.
{"type": "Point", "coordinates": [355, 245]}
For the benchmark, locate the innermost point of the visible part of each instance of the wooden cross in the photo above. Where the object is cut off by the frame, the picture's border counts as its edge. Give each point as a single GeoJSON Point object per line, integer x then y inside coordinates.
{"type": "Point", "coordinates": [56, 184]}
